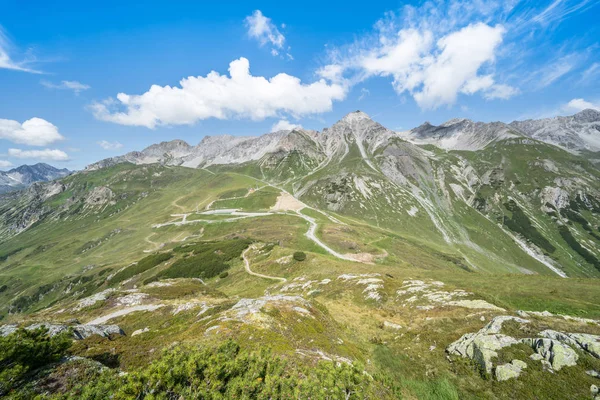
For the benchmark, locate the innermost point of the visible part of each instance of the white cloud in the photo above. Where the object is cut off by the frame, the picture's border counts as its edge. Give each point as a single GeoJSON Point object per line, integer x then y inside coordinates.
{"type": "Point", "coordinates": [239, 95]}
{"type": "Point", "coordinates": [501, 91]}
{"type": "Point", "coordinates": [106, 145]}
{"type": "Point", "coordinates": [577, 105]}
{"type": "Point", "coordinates": [5, 164]}
{"type": "Point", "coordinates": [559, 10]}
{"type": "Point", "coordinates": [33, 132]}
{"type": "Point", "coordinates": [46, 154]}
{"type": "Point", "coordinates": [590, 72]}
{"type": "Point", "coordinates": [364, 92]}
{"type": "Point", "coordinates": [265, 31]}
{"type": "Point", "coordinates": [284, 125]}
{"type": "Point", "coordinates": [552, 72]}
{"type": "Point", "coordinates": [433, 71]}
{"type": "Point", "coordinates": [462, 55]}
{"type": "Point", "coordinates": [6, 62]}
{"type": "Point", "coordinates": [75, 86]}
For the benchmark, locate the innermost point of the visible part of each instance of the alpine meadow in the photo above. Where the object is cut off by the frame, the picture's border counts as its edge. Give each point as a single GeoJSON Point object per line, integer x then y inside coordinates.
{"type": "Point", "coordinates": [246, 235]}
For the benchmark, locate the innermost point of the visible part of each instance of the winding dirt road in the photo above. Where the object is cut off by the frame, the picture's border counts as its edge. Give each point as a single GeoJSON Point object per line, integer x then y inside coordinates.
{"type": "Point", "coordinates": [249, 271]}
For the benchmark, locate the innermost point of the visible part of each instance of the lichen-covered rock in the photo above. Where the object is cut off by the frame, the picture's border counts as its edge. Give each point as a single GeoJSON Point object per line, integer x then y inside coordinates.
{"type": "Point", "coordinates": [482, 346]}
{"type": "Point", "coordinates": [553, 351]}
{"type": "Point", "coordinates": [6, 330]}
{"type": "Point", "coordinates": [584, 341]}
{"type": "Point", "coordinates": [510, 370]}
{"type": "Point", "coordinates": [79, 331]}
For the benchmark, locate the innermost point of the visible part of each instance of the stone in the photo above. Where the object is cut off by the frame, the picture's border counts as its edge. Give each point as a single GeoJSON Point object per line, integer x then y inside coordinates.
{"type": "Point", "coordinates": [594, 390]}
{"type": "Point", "coordinates": [536, 357]}
{"type": "Point", "coordinates": [558, 354]}
{"type": "Point", "coordinates": [391, 325]}
{"type": "Point", "coordinates": [506, 371]}
{"type": "Point", "coordinates": [593, 373]}
{"type": "Point", "coordinates": [6, 330]}
{"type": "Point", "coordinates": [519, 364]}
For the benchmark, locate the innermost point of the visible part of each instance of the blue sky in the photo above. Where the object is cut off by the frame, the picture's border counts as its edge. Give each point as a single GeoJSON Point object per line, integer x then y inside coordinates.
{"type": "Point", "coordinates": [82, 82]}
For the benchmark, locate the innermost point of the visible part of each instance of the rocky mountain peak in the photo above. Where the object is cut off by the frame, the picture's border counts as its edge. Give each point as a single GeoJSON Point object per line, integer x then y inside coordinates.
{"type": "Point", "coordinates": [587, 115]}
{"type": "Point", "coordinates": [355, 116]}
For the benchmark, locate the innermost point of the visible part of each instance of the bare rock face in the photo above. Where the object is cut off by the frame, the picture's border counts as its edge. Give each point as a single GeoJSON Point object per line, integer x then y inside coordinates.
{"type": "Point", "coordinates": [99, 196]}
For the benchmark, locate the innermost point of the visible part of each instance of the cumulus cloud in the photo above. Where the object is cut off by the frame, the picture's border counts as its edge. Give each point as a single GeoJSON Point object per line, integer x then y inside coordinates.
{"type": "Point", "coordinates": [239, 95]}
{"type": "Point", "coordinates": [76, 87]}
{"type": "Point", "coordinates": [284, 125]}
{"type": "Point", "coordinates": [433, 53]}
{"type": "Point", "coordinates": [265, 32]}
{"type": "Point", "coordinates": [7, 62]}
{"type": "Point", "coordinates": [46, 154]}
{"type": "Point", "coordinates": [33, 132]}
{"type": "Point", "coordinates": [5, 164]}
{"type": "Point", "coordinates": [106, 145]}
{"type": "Point", "coordinates": [577, 105]}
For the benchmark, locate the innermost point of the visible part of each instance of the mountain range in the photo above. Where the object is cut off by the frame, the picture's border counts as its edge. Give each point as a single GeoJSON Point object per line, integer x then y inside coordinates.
{"type": "Point", "coordinates": [578, 133]}
{"type": "Point", "coordinates": [23, 176]}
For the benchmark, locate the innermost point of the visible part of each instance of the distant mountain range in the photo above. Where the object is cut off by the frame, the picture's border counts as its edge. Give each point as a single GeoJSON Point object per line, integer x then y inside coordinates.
{"type": "Point", "coordinates": [577, 133]}
{"type": "Point", "coordinates": [23, 176]}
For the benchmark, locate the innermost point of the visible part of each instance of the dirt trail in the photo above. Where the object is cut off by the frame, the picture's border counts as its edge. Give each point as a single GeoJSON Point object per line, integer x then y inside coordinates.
{"type": "Point", "coordinates": [248, 270]}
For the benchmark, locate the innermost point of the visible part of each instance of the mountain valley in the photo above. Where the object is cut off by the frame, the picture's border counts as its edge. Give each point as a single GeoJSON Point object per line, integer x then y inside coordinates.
{"type": "Point", "coordinates": [458, 261]}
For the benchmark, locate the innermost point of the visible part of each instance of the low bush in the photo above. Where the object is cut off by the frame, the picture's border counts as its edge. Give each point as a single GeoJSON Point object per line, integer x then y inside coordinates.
{"type": "Point", "coordinates": [228, 372]}
{"type": "Point", "coordinates": [208, 259]}
{"type": "Point", "coordinates": [27, 350]}
{"type": "Point", "coordinates": [520, 223]}
{"type": "Point", "coordinates": [582, 251]}
{"type": "Point", "coordinates": [299, 256]}
{"type": "Point", "coordinates": [143, 265]}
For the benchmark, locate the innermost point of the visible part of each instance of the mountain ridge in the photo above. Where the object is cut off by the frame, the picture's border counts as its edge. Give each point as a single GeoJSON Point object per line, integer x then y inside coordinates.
{"type": "Point", "coordinates": [454, 134]}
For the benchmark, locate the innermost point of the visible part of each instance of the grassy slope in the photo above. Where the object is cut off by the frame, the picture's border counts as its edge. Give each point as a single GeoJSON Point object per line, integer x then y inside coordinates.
{"type": "Point", "coordinates": [345, 323]}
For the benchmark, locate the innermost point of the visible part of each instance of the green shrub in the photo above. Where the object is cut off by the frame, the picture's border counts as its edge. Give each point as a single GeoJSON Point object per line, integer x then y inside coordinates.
{"type": "Point", "coordinates": [223, 275]}
{"type": "Point", "coordinates": [26, 350]}
{"type": "Point", "coordinates": [208, 259]}
{"type": "Point", "coordinates": [521, 224]}
{"type": "Point", "coordinates": [583, 252]}
{"type": "Point", "coordinates": [22, 303]}
{"type": "Point", "coordinates": [228, 372]}
{"type": "Point", "coordinates": [299, 256]}
{"type": "Point", "coordinates": [143, 265]}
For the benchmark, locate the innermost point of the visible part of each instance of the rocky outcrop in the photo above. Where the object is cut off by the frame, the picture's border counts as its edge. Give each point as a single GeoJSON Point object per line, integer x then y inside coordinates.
{"type": "Point", "coordinates": [557, 354]}
{"type": "Point", "coordinates": [586, 342]}
{"type": "Point", "coordinates": [555, 350]}
{"type": "Point", "coordinates": [482, 347]}
{"type": "Point", "coordinates": [79, 332]}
